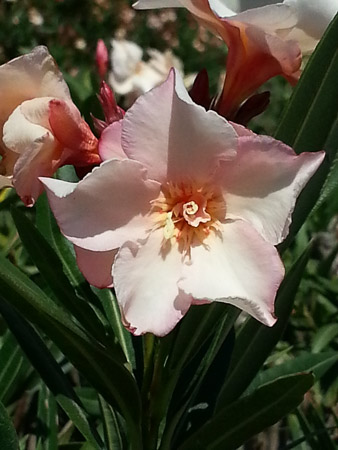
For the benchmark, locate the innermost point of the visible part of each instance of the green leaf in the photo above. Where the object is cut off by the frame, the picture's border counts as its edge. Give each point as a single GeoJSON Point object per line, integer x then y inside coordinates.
{"type": "Point", "coordinates": [36, 351]}
{"type": "Point", "coordinates": [11, 364]}
{"type": "Point", "coordinates": [310, 120]}
{"type": "Point", "coordinates": [324, 336]}
{"type": "Point", "coordinates": [113, 316]}
{"type": "Point", "coordinates": [307, 362]}
{"type": "Point", "coordinates": [111, 427]}
{"type": "Point", "coordinates": [192, 384]}
{"type": "Point", "coordinates": [255, 341]}
{"type": "Point", "coordinates": [50, 372]}
{"type": "Point", "coordinates": [80, 420]}
{"type": "Point", "coordinates": [8, 437]}
{"type": "Point", "coordinates": [30, 300]}
{"type": "Point", "coordinates": [189, 338]}
{"type": "Point", "coordinates": [51, 269]}
{"type": "Point", "coordinates": [47, 417]}
{"type": "Point", "coordinates": [237, 422]}
{"type": "Point", "coordinates": [330, 187]}
{"type": "Point", "coordinates": [106, 374]}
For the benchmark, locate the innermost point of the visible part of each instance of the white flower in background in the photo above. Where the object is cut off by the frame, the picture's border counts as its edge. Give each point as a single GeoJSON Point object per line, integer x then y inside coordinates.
{"type": "Point", "coordinates": [132, 77]}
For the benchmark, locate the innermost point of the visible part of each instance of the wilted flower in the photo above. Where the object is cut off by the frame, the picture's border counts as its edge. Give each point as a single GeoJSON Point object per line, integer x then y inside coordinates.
{"type": "Point", "coordinates": [131, 75]}
{"type": "Point", "coordinates": [40, 127]}
{"type": "Point", "coordinates": [187, 208]}
{"type": "Point", "coordinates": [263, 42]}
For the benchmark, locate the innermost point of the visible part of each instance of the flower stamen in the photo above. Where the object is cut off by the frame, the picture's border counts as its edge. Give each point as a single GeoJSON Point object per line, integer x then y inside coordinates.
{"type": "Point", "coordinates": [188, 212]}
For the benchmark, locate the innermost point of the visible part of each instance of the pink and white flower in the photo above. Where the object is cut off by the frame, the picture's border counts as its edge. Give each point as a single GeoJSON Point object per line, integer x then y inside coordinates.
{"type": "Point", "coordinates": [40, 127]}
{"type": "Point", "coordinates": [186, 208]}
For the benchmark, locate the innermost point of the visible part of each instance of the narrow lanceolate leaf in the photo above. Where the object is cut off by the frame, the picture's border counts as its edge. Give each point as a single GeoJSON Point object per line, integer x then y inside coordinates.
{"type": "Point", "coordinates": [111, 309]}
{"type": "Point", "coordinates": [102, 370]}
{"type": "Point", "coordinates": [207, 368]}
{"type": "Point", "coordinates": [30, 300]}
{"type": "Point", "coordinates": [47, 416]}
{"type": "Point", "coordinates": [256, 341]}
{"type": "Point", "coordinates": [52, 375]}
{"type": "Point", "coordinates": [318, 364]}
{"type": "Point", "coordinates": [330, 187]}
{"type": "Point", "coordinates": [111, 427]}
{"type": "Point", "coordinates": [77, 415]}
{"type": "Point", "coordinates": [324, 336]}
{"type": "Point", "coordinates": [190, 338]}
{"type": "Point", "coordinates": [310, 120]}
{"type": "Point", "coordinates": [8, 437]}
{"type": "Point", "coordinates": [50, 267]}
{"type": "Point", "coordinates": [11, 363]}
{"type": "Point", "coordinates": [36, 351]}
{"type": "Point", "coordinates": [233, 425]}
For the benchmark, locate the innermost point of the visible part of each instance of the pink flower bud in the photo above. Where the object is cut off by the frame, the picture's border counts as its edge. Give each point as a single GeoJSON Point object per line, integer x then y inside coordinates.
{"type": "Point", "coordinates": [101, 58]}
{"type": "Point", "coordinates": [112, 112]}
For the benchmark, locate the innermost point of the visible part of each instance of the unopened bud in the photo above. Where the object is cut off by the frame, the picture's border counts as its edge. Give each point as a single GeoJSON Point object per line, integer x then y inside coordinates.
{"type": "Point", "coordinates": [101, 58]}
{"type": "Point", "coordinates": [111, 111]}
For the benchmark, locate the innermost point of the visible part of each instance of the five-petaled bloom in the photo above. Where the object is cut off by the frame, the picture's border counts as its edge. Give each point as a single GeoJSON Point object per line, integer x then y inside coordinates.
{"type": "Point", "coordinates": [186, 208]}
{"type": "Point", "coordinates": [40, 127]}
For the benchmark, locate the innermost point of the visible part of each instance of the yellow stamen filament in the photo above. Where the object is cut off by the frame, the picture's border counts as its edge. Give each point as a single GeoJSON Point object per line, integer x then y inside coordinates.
{"type": "Point", "coordinates": [188, 212]}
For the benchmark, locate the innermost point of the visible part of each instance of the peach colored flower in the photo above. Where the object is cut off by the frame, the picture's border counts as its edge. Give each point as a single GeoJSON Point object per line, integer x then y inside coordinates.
{"type": "Point", "coordinates": [263, 41]}
{"type": "Point", "coordinates": [40, 127]}
{"type": "Point", "coordinates": [186, 208]}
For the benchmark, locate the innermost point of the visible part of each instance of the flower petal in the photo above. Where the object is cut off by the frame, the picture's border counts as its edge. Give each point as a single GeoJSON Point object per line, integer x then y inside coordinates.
{"type": "Point", "coordinates": [147, 4]}
{"type": "Point", "coordinates": [145, 281]}
{"type": "Point", "coordinates": [106, 208]}
{"type": "Point", "coordinates": [238, 267]}
{"type": "Point", "coordinates": [125, 56]}
{"type": "Point", "coordinates": [313, 18]}
{"type": "Point", "coordinates": [254, 57]}
{"type": "Point", "coordinates": [42, 158]}
{"type": "Point", "coordinates": [96, 267]}
{"type": "Point", "coordinates": [262, 184]}
{"type": "Point", "coordinates": [27, 123]}
{"type": "Point", "coordinates": [73, 133]}
{"type": "Point", "coordinates": [33, 75]}
{"type": "Point", "coordinates": [173, 137]}
{"type": "Point", "coordinates": [27, 135]}
{"type": "Point", "coordinates": [110, 142]}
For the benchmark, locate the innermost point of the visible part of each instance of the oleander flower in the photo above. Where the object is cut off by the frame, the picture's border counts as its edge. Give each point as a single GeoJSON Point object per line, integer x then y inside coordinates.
{"type": "Point", "coordinates": [263, 41]}
{"type": "Point", "coordinates": [132, 76]}
{"type": "Point", "coordinates": [40, 127]}
{"type": "Point", "coordinates": [186, 208]}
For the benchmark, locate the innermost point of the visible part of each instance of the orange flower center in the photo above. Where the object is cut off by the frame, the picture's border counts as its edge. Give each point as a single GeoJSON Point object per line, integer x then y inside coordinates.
{"type": "Point", "coordinates": [188, 212]}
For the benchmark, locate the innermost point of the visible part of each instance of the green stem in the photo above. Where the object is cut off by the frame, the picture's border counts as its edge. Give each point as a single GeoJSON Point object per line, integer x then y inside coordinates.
{"type": "Point", "coordinates": [149, 434]}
